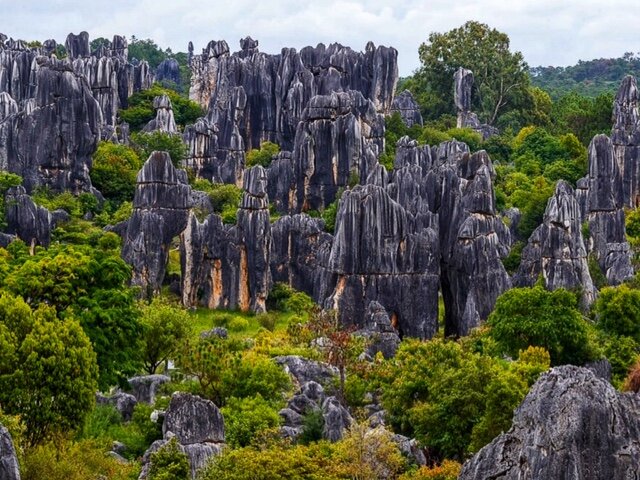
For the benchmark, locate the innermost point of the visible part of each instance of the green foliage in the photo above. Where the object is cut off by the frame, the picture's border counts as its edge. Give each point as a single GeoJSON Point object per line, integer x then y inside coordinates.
{"type": "Point", "coordinates": [263, 155]}
{"type": "Point", "coordinates": [114, 171]}
{"type": "Point", "coordinates": [501, 79]}
{"type": "Point", "coordinates": [452, 400]}
{"type": "Point", "coordinates": [225, 368]}
{"type": "Point", "coordinates": [432, 136]}
{"type": "Point", "coordinates": [225, 198]}
{"type": "Point", "coordinates": [165, 327]}
{"type": "Point", "coordinates": [589, 78]}
{"type": "Point", "coordinates": [140, 109]}
{"type": "Point", "coordinates": [330, 213]}
{"type": "Point", "coordinates": [169, 463]}
{"type": "Point", "coordinates": [147, 143]}
{"type": "Point", "coordinates": [104, 423]}
{"type": "Point", "coordinates": [71, 460]}
{"type": "Point", "coordinates": [91, 285]}
{"type": "Point", "coordinates": [245, 418]}
{"type": "Point", "coordinates": [312, 427]}
{"type": "Point", "coordinates": [534, 316]}
{"type": "Point", "coordinates": [287, 299]}
{"type": "Point", "coordinates": [146, 49]}
{"type": "Point", "coordinates": [7, 180]}
{"type": "Point", "coordinates": [48, 371]}
{"type": "Point", "coordinates": [395, 129]}
{"type": "Point", "coordinates": [582, 116]}
{"type": "Point", "coordinates": [447, 470]}
{"type": "Point", "coordinates": [76, 206]}
{"type": "Point", "coordinates": [472, 138]}
{"type": "Point", "coordinates": [617, 311]}
{"type": "Point", "coordinates": [622, 353]}
{"type": "Point", "coordinates": [512, 261]}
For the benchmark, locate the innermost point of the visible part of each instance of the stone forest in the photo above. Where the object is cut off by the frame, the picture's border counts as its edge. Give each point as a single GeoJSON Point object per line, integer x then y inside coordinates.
{"type": "Point", "coordinates": [242, 265]}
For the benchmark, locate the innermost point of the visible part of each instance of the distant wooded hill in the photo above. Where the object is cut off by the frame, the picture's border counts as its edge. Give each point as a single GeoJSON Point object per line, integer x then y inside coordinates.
{"type": "Point", "coordinates": [589, 78]}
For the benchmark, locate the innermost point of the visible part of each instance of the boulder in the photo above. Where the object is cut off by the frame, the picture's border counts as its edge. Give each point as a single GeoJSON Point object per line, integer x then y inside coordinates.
{"type": "Point", "coordinates": [124, 403]}
{"type": "Point", "coordinates": [145, 387]}
{"type": "Point", "coordinates": [336, 419]}
{"type": "Point", "coordinates": [571, 425]}
{"type": "Point", "coordinates": [31, 223]}
{"type": "Point", "coordinates": [304, 370]}
{"type": "Point", "coordinates": [193, 420]}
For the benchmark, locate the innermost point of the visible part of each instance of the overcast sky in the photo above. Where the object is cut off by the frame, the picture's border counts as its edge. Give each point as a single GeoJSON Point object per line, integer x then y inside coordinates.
{"type": "Point", "coordinates": [547, 32]}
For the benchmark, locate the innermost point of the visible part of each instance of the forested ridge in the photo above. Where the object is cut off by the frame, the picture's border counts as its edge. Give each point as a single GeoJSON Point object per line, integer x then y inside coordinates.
{"type": "Point", "coordinates": [239, 265]}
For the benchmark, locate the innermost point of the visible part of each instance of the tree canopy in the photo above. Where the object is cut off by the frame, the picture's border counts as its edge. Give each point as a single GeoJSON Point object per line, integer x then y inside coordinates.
{"type": "Point", "coordinates": [501, 79]}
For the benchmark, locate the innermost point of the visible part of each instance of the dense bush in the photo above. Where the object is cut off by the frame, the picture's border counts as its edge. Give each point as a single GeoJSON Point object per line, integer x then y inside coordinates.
{"type": "Point", "coordinates": [114, 171]}
{"type": "Point", "coordinates": [245, 418]}
{"type": "Point", "coordinates": [263, 155]}
{"type": "Point", "coordinates": [535, 316]}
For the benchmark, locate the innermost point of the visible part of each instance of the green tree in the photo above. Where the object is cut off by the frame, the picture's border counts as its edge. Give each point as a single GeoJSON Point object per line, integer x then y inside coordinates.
{"type": "Point", "coordinates": [140, 107]}
{"type": "Point", "coordinates": [165, 327]}
{"type": "Point", "coordinates": [48, 370]}
{"type": "Point", "coordinates": [617, 311]}
{"type": "Point", "coordinates": [147, 143]}
{"type": "Point", "coordinates": [501, 79]}
{"type": "Point", "coordinates": [225, 198]}
{"type": "Point", "coordinates": [91, 285]}
{"type": "Point", "coordinates": [535, 316]}
{"type": "Point", "coordinates": [263, 155]}
{"type": "Point", "coordinates": [146, 49]}
{"type": "Point", "coordinates": [454, 401]}
{"type": "Point", "coordinates": [114, 171]}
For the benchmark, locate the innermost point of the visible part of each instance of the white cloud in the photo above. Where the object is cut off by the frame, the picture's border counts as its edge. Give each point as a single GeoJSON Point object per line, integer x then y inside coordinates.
{"type": "Point", "coordinates": [548, 32]}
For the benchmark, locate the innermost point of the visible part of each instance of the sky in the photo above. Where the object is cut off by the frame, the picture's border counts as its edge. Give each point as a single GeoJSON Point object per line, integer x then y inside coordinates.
{"type": "Point", "coordinates": [547, 32]}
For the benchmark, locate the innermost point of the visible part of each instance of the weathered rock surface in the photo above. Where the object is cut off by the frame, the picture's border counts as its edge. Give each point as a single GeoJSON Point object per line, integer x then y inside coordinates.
{"type": "Point", "coordinates": [279, 87]}
{"type": "Point", "coordinates": [339, 137]}
{"type": "Point", "coordinates": [381, 335]}
{"type": "Point", "coordinates": [50, 124]}
{"type": "Point", "coordinates": [473, 239]}
{"type": "Point", "coordinates": [571, 425]}
{"type": "Point", "coordinates": [29, 222]}
{"type": "Point", "coordinates": [164, 121]}
{"type": "Point", "coordinates": [607, 237]}
{"type": "Point", "coordinates": [168, 73]}
{"type": "Point", "coordinates": [381, 253]}
{"type": "Point", "coordinates": [625, 137]}
{"type": "Point", "coordinates": [298, 243]}
{"type": "Point", "coordinates": [123, 402]}
{"type": "Point", "coordinates": [556, 249]}
{"type": "Point", "coordinates": [193, 420]}
{"type": "Point", "coordinates": [408, 108]}
{"type": "Point", "coordinates": [462, 94]}
{"type": "Point", "coordinates": [145, 387]}
{"type": "Point", "coordinates": [304, 370]}
{"type": "Point", "coordinates": [336, 419]}
{"type": "Point", "coordinates": [228, 266]}
{"type": "Point", "coordinates": [198, 427]}
{"type": "Point", "coordinates": [9, 467]}
{"type": "Point", "coordinates": [160, 213]}
{"type": "Point", "coordinates": [111, 77]}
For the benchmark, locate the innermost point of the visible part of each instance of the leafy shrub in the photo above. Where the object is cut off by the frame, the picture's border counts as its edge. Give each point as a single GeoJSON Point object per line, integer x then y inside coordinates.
{"type": "Point", "coordinates": [7, 180]}
{"type": "Point", "coordinates": [69, 460]}
{"type": "Point", "coordinates": [169, 463]}
{"type": "Point", "coordinates": [238, 324]}
{"type": "Point", "coordinates": [263, 155]}
{"type": "Point", "coordinates": [535, 316]}
{"type": "Point", "coordinates": [617, 311]}
{"type": "Point", "coordinates": [447, 470]}
{"type": "Point", "coordinates": [225, 198]}
{"type": "Point", "coordinates": [147, 143]}
{"type": "Point", "coordinates": [140, 110]}
{"type": "Point", "coordinates": [312, 427]}
{"type": "Point", "coordinates": [472, 138]}
{"type": "Point", "coordinates": [114, 171]}
{"type": "Point", "coordinates": [245, 418]}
